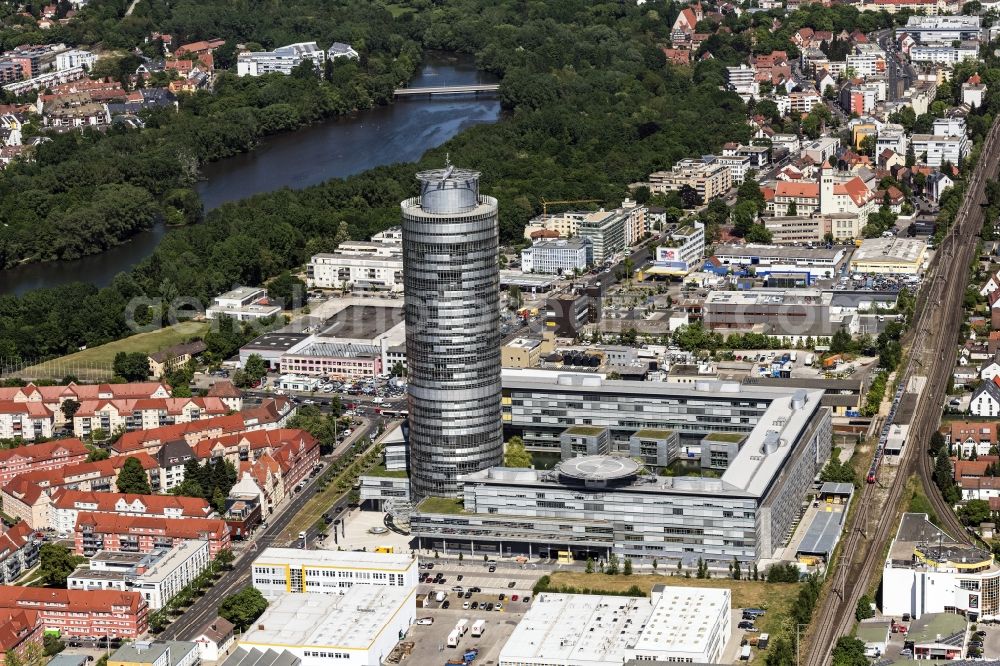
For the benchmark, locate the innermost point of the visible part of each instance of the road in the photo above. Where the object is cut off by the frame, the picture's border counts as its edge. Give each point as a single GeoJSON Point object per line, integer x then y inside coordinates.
{"type": "Point", "coordinates": [900, 72]}
{"type": "Point", "coordinates": [207, 607]}
{"type": "Point", "coordinates": [931, 351]}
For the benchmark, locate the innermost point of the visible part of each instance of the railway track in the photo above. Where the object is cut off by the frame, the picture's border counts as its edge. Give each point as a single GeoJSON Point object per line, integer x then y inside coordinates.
{"type": "Point", "coordinates": [934, 334]}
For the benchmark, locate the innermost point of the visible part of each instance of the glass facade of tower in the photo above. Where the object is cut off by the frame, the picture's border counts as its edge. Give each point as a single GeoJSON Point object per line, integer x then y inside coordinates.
{"type": "Point", "coordinates": [452, 303]}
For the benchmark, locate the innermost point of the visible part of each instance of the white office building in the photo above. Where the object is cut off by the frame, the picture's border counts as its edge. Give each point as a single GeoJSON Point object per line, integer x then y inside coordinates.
{"type": "Point", "coordinates": [948, 143]}
{"type": "Point", "coordinates": [682, 253]}
{"type": "Point", "coordinates": [243, 304]}
{"type": "Point", "coordinates": [281, 60]}
{"type": "Point", "coordinates": [943, 29]}
{"type": "Point", "coordinates": [75, 58]}
{"type": "Point", "coordinates": [927, 571]}
{"type": "Point", "coordinates": [357, 627]}
{"type": "Point", "coordinates": [558, 256]}
{"type": "Point", "coordinates": [280, 570]}
{"type": "Point", "coordinates": [891, 137]}
{"type": "Point", "coordinates": [375, 265]}
{"type": "Point", "coordinates": [675, 624]}
{"type": "Point", "coordinates": [743, 81]}
{"type": "Point", "coordinates": [945, 54]}
{"type": "Point", "coordinates": [158, 576]}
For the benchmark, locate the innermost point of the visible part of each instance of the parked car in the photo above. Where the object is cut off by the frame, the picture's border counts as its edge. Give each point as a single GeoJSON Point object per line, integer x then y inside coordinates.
{"type": "Point", "coordinates": [425, 620]}
{"type": "Point", "coordinates": [512, 584]}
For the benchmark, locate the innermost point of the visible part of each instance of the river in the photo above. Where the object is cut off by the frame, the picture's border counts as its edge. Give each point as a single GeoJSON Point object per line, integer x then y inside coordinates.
{"type": "Point", "coordinates": [336, 148]}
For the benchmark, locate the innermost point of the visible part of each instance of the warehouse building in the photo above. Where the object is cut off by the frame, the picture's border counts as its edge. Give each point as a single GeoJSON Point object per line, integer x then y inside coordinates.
{"type": "Point", "coordinates": [358, 627]}
{"type": "Point", "coordinates": [768, 260]}
{"type": "Point", "coordinates": [675, 624]}
{"type": "Point", "coordinates": [594, 505]}
{"type": "Point", "coordinates": [280, 570]}
{"type": "Point", "coordinates": [890, 255]}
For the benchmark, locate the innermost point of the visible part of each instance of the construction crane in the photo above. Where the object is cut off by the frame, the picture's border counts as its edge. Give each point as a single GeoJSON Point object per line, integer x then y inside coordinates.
{"type": "Point", "coordinates": [545, 204]}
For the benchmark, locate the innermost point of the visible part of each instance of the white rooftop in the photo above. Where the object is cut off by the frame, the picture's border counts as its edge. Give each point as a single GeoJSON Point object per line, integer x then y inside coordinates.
{"type": "Point", "coordinates": [597, 630]}
{"type": "Point", "coordinates": [342, 559]}
{"type": "Point", "coordinates": [352, 620]}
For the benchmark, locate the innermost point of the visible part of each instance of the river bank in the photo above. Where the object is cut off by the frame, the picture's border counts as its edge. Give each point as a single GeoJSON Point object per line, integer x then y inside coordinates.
{"type": "Point", "coordinates": [335, 148]}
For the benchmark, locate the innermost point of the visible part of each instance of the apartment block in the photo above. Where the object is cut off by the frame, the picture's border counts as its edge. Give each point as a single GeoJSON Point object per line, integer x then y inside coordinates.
{"type": "Point", "coordinates": [708, 179]}
{"type": "Point", "coordinates": [142, 534]}
{"type": "Point", "coordinates": [158, 575]}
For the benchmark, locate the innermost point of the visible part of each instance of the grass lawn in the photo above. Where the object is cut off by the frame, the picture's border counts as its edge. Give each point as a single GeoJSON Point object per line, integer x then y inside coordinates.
{"type": "Point", "coordinates": [441, 505]}
{"type": "Point", "coordinates": [776, 598]}
{"type": "Point", "coordinates": [95, 363]}
{"type": "Point", "coordinates": [381, 471]}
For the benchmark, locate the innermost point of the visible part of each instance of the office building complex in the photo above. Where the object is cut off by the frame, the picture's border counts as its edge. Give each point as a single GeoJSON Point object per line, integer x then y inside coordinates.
{"type": "Point", "coordinates": [452, 303]}
{"type": "Point", "coordinates": [675, 624]}
{"type": "Point", "coordinates": [682, 251]}
{"type": "Point", "coordinates": [286, 58]}
{"type": "Point", "coordinates": [558, 256]}
{"type": "Point", "coordinates": [593, 505]}
{"type": "Point", "coordinates": [360, 265]}
{"type": "Point", "coordinates": [281, 570]}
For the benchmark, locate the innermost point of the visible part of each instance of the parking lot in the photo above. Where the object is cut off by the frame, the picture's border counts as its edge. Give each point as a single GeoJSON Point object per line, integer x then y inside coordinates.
{"type": "Point", "coordinates": [431, 641]}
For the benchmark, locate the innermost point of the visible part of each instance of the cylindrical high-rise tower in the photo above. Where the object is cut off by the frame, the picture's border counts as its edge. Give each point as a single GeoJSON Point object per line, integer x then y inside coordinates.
{"type": "Point", "coordinates": [452, 302]}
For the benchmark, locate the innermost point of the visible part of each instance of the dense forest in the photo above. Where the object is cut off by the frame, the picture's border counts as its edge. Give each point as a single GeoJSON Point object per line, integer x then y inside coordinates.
{"type": "Point", "coordinates": [62, 205]}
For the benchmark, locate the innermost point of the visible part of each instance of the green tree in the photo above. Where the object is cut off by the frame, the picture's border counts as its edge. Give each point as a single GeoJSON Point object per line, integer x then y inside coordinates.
{"type": "Point", "coordinates": [225, 558]}
{"type": "Point", "coordinates": [515, 454]}
{"type": "Point", "coordinates": [864, 609]}
{"type": "Point", "coordinates": [974, 512]}
{"type": "Point", "coordinates": [612, 568]}
{"type": "Point", "coordinates": [69, 408]}
{"type": "Point", "coordinates": [849, 651]}
{"type": "Point", "coordinates": [255, 368]}
{"type": "Point", "coordinates": [288, 290]}
{"type": "Point", "coordinates": [132, 478]}
{"type": "Point", "coordinates": [590, 566]}
{"type": "Point", "coordinates": [56, 563]}
{"type": "Point", "coordinates": [219, 500]}
{"type": "Point", "coordinates": [131, 366]}
{"type": "Point", "coordinates": [243, 608]}
{"type": "Point", "coordinates": [627, 567]}
{"type": "Point", "coordinates": [780, 652]}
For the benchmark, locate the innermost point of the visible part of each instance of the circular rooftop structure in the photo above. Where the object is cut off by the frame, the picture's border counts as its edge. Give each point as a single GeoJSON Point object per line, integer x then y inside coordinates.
{"type": "Point", "coordinates": [598, 470]}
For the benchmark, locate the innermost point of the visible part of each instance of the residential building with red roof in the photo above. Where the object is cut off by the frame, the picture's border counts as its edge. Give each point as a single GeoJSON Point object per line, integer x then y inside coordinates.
{"type": "Point", "coordinates": [67, 505]}
{"type": "Point", "coordinates": [26, 420]}
{"type": "Point", "coordinates": [971, 435]}
{"type": "Point", "coordinates": [204, 46]}
{"type": "Point", "coordinates": [19, 551]}
{"type": "Point", "coordinates": [191, 432]}
{"type": "Point", "coordinates": [143, 414]}
{"type": "Point", "coordinates": [40, 457]}
{"type": "Point", "coordinates": [226, 391]}
{"type": "Point", "coordinates": [54, 396]}
{"type": "Point", "coordinates": [270, 414]}
{"type": "Point", "coordinates": [260, 479]}
{"type": "Point", "coordinates": [142, 534]}
{"type": "Point", "coordinates": [98, 476]}
{"type": "Point", "coordinates": [27, 501]}
{"type": "Point", "coordinates": [844, 197]}
{"type": "Point", "coordinates": [21, 635]}
{"type": "Point", "coordinates": [81, 613]}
